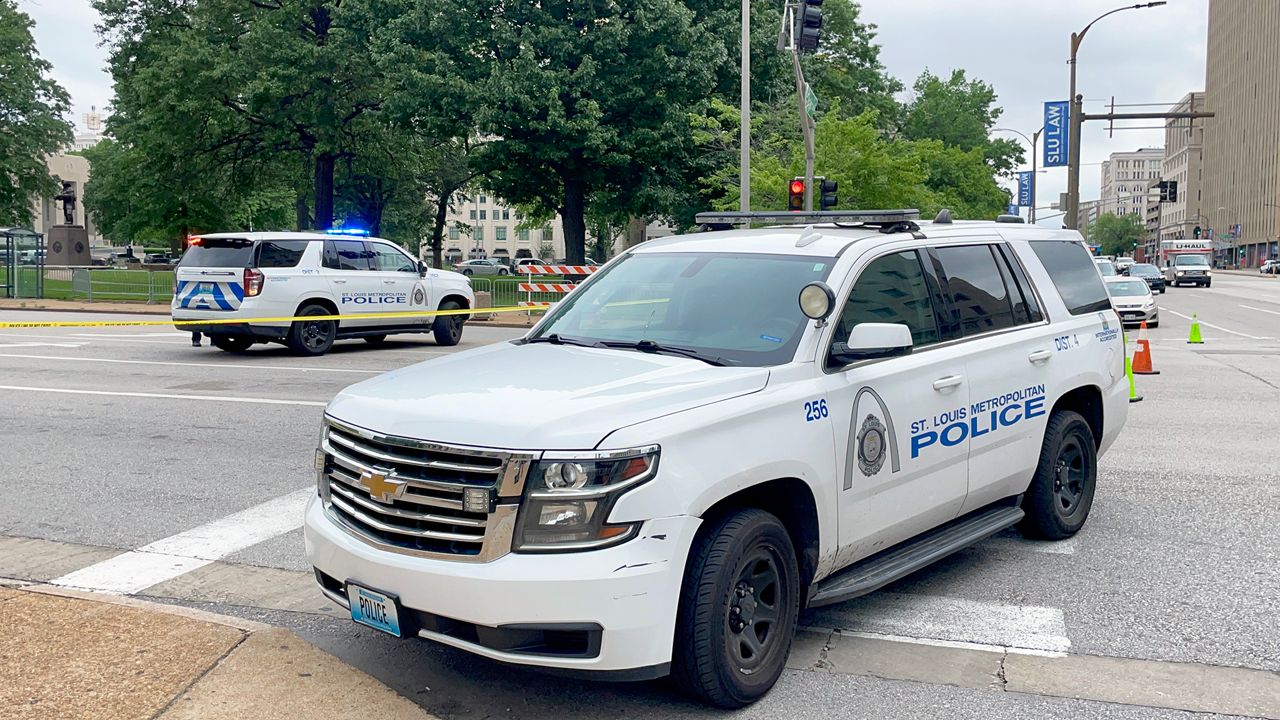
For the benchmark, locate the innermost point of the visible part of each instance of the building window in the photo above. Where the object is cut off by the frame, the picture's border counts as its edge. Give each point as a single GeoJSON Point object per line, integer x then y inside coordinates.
{"type": "Point", "coordinates": [482, 214]}
{"type": "Point", "coordinates": [523, 235]}
{"type": "Point", "coordinates": [483, 199]}
{"type": "Point", "coordinates": [501, 233]}
{"type": "Point", "coordinates": [473, 214]}
{"type": "Point", "coordinates": [453, 233]}
{"type": "Point", "coordinates": [506, 214]}
{"type": "Point", "coordinates": [478, 234]}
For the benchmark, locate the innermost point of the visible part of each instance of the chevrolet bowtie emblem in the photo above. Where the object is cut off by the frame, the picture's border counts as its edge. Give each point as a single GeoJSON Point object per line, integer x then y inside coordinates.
{"type": "Point", "coordinates": [383, 488]}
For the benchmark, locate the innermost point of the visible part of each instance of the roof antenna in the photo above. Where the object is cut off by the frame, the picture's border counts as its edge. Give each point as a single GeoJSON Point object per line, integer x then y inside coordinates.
{"type": "Point", "coordinates": [944, 217]}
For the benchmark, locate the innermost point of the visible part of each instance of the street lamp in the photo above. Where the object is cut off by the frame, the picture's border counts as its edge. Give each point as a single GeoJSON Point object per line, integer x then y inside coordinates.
{"type": "Point", "coordinates": [1073, 138]}
{"type": "Point", "coordinates": [1033, 140]}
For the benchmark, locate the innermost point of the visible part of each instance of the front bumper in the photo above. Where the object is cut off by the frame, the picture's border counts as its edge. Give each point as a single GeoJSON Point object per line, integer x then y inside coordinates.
{"type": "Point", "coordinates": [1134, 316]}
{"type": "Point", "coordinates": [623, 598]}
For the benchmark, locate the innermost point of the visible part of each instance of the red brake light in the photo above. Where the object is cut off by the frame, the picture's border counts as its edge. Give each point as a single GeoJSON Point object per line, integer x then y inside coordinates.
{"type": "Point", "coordinates": [195, 241]}
{"type": "Point", "coordinates": [252, 282]}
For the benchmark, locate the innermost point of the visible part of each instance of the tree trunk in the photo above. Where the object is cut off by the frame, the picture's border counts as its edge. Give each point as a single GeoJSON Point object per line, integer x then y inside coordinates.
{"type": "Point", "coordinates": [324, 191]}
{"type": "Point", "coordinates": [303, 213]}
{"type": "Point", "coordinates": [575, 223]}
{"type": "Point", "coordinates": [437, 232]}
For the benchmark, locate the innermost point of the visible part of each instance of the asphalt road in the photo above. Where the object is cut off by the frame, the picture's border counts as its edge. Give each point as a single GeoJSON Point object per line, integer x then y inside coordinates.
{"type": "Point", "coordinates": [117, 438]}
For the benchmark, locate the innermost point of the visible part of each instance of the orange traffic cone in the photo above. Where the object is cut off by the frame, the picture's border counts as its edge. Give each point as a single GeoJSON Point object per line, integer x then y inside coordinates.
{"type": "Point", "coordinates": [1142, 358]}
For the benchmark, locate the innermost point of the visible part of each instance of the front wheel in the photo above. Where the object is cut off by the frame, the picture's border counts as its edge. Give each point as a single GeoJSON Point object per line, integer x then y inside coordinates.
{"type": "Point", "coordinates": [312, 337]}
{"type": "Point", "coordinates": [1061, 492]}
{"type": "Point", "coordinates": [448, 328]}
{"type": "Point", "coordinates": [738, 610]}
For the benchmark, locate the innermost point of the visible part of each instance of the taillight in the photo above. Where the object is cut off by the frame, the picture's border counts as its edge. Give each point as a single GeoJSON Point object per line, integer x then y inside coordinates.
{"type": "Point", "coordinates": [252, 282]}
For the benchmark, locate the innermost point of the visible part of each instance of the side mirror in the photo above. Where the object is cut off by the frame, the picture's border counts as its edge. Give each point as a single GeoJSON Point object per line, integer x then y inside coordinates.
{"type": "Point", "coordinates": [422, 268]}
{"type": "Point", "coordinates": [870, 341]}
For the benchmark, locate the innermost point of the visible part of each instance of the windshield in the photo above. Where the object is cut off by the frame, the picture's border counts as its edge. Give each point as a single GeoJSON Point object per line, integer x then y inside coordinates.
{"type": "Point", "coordinates": [741, 308]}
{"type": "Point", "coordinates": [1128, 288]}
{"type": "Point", "coordinates": [1184, 260]}
{"type": "Point", "coordinates": [219, 253]}
{"type": "Point", "coordinates": [1144, 270]}
{"type": "Point", "coordinates": [1105, 267]}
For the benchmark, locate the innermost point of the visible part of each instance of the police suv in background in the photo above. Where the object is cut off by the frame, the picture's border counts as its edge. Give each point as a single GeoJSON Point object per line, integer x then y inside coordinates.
{"type": "Point", "coordinates": [255, 276]}
{"type": "Point", "coordinates": [671, 468]}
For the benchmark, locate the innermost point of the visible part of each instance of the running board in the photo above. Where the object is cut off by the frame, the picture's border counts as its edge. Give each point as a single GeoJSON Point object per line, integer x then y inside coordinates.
{"type": "Point", "coordinates": [875, 572]}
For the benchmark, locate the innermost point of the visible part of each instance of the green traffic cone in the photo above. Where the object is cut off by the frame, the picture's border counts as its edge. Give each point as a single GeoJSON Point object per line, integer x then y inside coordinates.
{"type": "Point", "coordinates": [1195, 338]}
{"type": "Point", "coordinates": [1128, 373]}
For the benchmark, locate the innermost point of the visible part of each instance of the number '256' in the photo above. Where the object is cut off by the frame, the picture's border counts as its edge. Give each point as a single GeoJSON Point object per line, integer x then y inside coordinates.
{"type": "Point", "coordinates": [815, 410]}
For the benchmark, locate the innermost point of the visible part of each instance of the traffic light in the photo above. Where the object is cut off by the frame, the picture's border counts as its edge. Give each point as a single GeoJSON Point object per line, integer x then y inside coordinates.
{"type": "Point", "coordinates": [828, 190]}
{"type": "Point", "coordinates": [1196, 233]}
{"type": "Point", "coordinates": [795, 195]}
{"type": "Point", "coordinates": [808, 25]}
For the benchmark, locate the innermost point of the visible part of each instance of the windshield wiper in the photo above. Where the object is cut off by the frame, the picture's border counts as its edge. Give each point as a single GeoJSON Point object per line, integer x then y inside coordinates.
{"type": "Point", "coordinates": [650, 346]}
{"type": "Point", "coordinates": [557, 339]}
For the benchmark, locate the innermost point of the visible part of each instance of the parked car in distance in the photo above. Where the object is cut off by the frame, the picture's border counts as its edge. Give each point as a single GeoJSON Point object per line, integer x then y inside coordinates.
{"type": "Point", "coordinates": [1270, 267]}
{"type": "Point", "coordinates": [159, 259]}
{"type": "Point", "coordinates": [1150, 273]}
{"type": "Point", "coordinates": [1105, 267]}
{"type": "Point", "coordinates": [486, 266]}
{"type": "Point", "coordinates": [1133, 300]}
{"type": "Point", "coordinates": [1123, 264]}
{"type": "Point", "coordinates": [521, 262]}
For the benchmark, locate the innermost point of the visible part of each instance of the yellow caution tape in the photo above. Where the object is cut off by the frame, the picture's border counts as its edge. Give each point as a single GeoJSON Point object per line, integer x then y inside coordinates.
{"type": "Point", "coordinates": [257, 320]}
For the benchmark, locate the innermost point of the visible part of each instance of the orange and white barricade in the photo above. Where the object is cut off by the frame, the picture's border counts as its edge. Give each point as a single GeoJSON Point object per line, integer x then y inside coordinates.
{"type": "Point", "coordinates": [529, 288]}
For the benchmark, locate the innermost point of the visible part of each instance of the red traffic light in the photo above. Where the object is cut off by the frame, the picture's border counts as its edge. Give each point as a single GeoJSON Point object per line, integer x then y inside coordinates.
{"type": "Point", "coordinates": [797, 187]}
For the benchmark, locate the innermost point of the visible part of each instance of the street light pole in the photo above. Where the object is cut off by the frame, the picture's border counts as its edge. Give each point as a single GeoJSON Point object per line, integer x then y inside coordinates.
{"type": "Point", "coordinates": [1034, 140]}
{"type": "Point", "coordinates": [744, 113]}
{"type": "Point", "coordinates": [1077, 118]}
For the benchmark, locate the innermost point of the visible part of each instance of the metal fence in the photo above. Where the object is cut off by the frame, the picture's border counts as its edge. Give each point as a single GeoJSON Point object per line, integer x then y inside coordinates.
{"type": "Point", "coordinates": [108, 284]}
{"type": "Point", "coordinates": [504, 292]}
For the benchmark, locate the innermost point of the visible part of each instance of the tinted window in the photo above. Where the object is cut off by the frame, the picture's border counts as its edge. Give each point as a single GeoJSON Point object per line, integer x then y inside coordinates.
{"type": "Point", "coordinates": [346, 255]}
{"type": "Point", "coordinates": [281, 253]}
{"type": "Point", "coordinates": [1071, 268]}
{"type": "Point", "coordinates": [1184, 260]}
{"type": "Point", "coordinates": [891, 290]}
{"type": "Point", "coordinates": [977, 288]}
{"type": "Point", "coordinates": [219, 252]}
{"type": "Point", "coordinates": [1025, 307]}
{"type": "Point", "coordinates": [1144, 271]}
{"type": "Point", "coordinates": [390, 259]}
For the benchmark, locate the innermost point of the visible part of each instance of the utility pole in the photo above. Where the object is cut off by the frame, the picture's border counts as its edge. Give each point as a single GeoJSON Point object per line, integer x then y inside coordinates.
{"type": "Point", "coordinates": [744, 113]}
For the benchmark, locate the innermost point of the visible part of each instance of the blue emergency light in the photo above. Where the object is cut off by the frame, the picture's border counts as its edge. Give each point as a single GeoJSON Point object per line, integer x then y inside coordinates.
{"type": "Point", "coordinates": [348, 231]}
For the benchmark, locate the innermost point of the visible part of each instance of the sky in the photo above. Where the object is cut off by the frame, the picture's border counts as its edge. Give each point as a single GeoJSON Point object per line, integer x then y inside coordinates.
{"type": "Point", "coordinates": [1020, 47]}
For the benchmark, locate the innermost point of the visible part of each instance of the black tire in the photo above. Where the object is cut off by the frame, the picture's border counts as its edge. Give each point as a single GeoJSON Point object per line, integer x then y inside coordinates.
{"type": "Point", "coordinates": [312, 337]}
{"type": "Point", "coordinates": [467, 272]}
{"type": "Point", "coordinates": [1154, 324]}
{"type": "Point", "coordinates": [1208, 284]}
{"type": "Point", "coordinates": [1061, 492]}
{"type": "Point", "coordinates": [448, 328]}
{"type": "Point", "coordinates": [502, 271]}
{"type": "Point", "coordinates": [375, 340]}
{"type": "Point", "coordinates": [719, 655]}
{"type": "Point", "coordinates": [231, 343]}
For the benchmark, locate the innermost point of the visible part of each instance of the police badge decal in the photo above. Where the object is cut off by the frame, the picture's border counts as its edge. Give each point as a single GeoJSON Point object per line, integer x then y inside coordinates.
{"type": "Point", "coordinates": [419, 297]}
{"type": "Point", "coordinates": [871, 445]}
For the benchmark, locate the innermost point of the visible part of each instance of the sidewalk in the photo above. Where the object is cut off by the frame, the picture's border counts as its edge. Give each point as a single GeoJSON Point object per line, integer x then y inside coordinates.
{"type": "Point", "coordinates": [68, 654]}
{"type": "Point", "coordinates": [507, 320]}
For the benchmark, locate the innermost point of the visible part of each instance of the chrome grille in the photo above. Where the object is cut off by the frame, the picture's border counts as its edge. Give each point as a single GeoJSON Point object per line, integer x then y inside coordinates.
{"type": "Point", "coordinates": [428, 512]}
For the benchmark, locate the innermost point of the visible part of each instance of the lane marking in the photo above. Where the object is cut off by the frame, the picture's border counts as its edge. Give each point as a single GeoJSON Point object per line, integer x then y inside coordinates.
{"type": "Point", "coordinates": [165, 559]}
{"type": "Point", "coordinates": [952, 619]}
{"type": "Point", "coordinates": [125, 335]}
{"type": "Point", "coordinates": [39, 344]}
{"type": "Point", "coordinates": [193, 364]}
{"type": "Point", "coordinates": [165, 396]}
{"type": "Point", "coordinates": [35, 335]}
{"type": "Point", "coordinates": [1218, 327]}
{"type": "Point", "coordinates": [1269, 312]}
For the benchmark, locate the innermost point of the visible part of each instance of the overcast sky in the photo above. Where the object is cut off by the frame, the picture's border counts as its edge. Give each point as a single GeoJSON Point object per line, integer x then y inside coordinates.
{"type": "Point", "coordinates": [1019, 46]}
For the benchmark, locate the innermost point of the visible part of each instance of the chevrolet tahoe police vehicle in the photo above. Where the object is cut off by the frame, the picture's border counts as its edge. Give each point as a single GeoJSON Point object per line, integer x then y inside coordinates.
{"type": "Point", "coordinates": [717, 430]}
{"type": "Point", "coordinates": [260, 277]}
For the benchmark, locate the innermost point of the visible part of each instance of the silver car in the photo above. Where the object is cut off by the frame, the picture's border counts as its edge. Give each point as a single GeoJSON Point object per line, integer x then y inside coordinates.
{"type": "Point", "coordinates": [487, 266]}
{"type": "Point", "coordinates": [1133, 300]}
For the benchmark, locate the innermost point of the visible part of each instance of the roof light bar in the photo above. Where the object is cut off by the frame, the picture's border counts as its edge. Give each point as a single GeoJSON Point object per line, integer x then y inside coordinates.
{"type": "Point", "coordinates": [348, 231]}
{"type": "Point", "coordinates": [851, 217]}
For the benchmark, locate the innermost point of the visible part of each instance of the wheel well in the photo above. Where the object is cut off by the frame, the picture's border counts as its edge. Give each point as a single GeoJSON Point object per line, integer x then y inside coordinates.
{"type": "Point", "coordinates": [792, 502]}
{"type": "Point", "coordinates": [325, 303]}
{"type": "Point", "coordinates": [460, 299]}
{"type": "Point", "coordinates": [1086, 400]}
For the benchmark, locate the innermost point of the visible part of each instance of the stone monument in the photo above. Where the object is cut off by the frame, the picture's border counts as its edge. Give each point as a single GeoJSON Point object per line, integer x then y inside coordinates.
{"type": "Point", "coordinates": [68, 243]}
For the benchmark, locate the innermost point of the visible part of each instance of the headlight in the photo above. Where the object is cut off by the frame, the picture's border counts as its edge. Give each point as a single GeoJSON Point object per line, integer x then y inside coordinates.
{"type": "Point", "coordinates": [569, 496]}
{"type": "Point", "coordinates": [1180, 273]}
{"type": "Point", "coordinates": [1208, 272]}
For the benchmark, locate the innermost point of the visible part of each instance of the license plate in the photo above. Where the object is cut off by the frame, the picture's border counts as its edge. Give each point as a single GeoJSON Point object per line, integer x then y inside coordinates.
{"type": "Point", "coordinates": [378, 610]}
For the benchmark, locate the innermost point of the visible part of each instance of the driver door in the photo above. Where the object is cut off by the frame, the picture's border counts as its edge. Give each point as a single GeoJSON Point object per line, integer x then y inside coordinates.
{"type": "Point", "coordinates": [403, 288]}
{"type": "Point", "coordinates": [900, 423]}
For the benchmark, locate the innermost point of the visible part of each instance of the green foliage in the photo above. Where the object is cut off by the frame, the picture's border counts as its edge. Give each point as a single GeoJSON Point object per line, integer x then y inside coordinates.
{"type": "Point", "coordinates": [1116, 233]}
{"type": "Point", "coordinates": [32, 125]}
{"type": "Point", "coordinates": [960, 112]}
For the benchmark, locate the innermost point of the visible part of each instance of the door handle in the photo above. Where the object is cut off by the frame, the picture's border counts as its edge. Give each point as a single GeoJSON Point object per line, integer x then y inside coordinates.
{"type": "Point", "coordinates": [1039, 356]}
{"type": "Point", "coordinates": [949, 381]}
{"type": "Point", "coordinates": [389, 282]}
{"type": "Point", "coordinates": [339, 282]}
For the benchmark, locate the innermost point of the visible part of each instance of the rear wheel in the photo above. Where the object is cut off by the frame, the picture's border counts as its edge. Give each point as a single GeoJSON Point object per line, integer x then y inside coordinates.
{"type": "Point", "coordinates": [738, 610]}
{"type": "Point", "coordinates": [375, 340]}
{"type": "Point", "coordinates": [1061, 492]}
{"type": "Point", "coordinates": [231, 343]}
{"type": "Point", "coordinates": [448, 328]}
{"type": "Point", "coordinates": [312, 337]}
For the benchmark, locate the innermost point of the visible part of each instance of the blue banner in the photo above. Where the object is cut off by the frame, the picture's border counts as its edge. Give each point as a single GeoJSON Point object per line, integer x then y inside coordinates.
{"type": "Point", "coordinates": [1013, 210]}
{"type": "Point", "coordinates": [1024, 189]}
{"type": "Point", "coordinates": [1056, 116]}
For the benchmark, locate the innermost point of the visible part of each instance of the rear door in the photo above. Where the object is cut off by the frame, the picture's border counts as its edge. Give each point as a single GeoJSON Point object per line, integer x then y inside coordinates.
{"type": "Point", "coordinates": [210, 275]}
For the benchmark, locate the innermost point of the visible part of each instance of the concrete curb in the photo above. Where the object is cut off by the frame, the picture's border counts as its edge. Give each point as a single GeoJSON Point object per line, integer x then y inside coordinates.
{"type": "Point", "coordinates": [121, 657]}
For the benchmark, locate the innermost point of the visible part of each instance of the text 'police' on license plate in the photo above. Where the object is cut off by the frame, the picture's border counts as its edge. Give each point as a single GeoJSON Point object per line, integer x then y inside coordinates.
{"type": "Point", "coordinates": [376, 609]}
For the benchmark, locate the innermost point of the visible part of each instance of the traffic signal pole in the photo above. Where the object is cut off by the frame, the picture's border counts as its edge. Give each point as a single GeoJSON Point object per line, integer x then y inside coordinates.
{"type": "Point", "coordinates": [744, 113]}
{"type": "Point", "coordinates": [806, 130]}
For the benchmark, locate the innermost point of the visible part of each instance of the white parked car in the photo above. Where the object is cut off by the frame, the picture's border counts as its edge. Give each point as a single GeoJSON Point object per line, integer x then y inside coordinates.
{"type": "Point", "coordinates": [715, 431]}
{"type": "Point", "coordinates": [1133, 300]}
{"type": "Point", "coordinates": [261, 278]}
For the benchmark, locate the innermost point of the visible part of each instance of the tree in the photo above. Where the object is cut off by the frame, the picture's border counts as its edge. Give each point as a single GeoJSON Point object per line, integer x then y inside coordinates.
{"type": "Point", "coordinates": [960, 112]}
{"type": "Point", "coordinates": [580, 98]}
{"type": "Point", "coordinates": [32, 124]}
{"type": "Point", "coordinates": [1116, 233]}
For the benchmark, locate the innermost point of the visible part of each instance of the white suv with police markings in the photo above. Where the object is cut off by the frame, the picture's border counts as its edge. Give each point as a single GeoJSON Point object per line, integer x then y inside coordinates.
{"type": "Point", "coordinates": [265, 278]}
{"type": "Point", "coordinates": [670, 468]}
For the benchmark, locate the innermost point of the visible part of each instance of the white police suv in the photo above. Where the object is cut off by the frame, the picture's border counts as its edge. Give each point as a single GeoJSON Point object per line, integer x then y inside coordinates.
{"type": "Point", "coordinates": [717, 430]}
{"type": "Point", "coordinates": [261, 277]}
